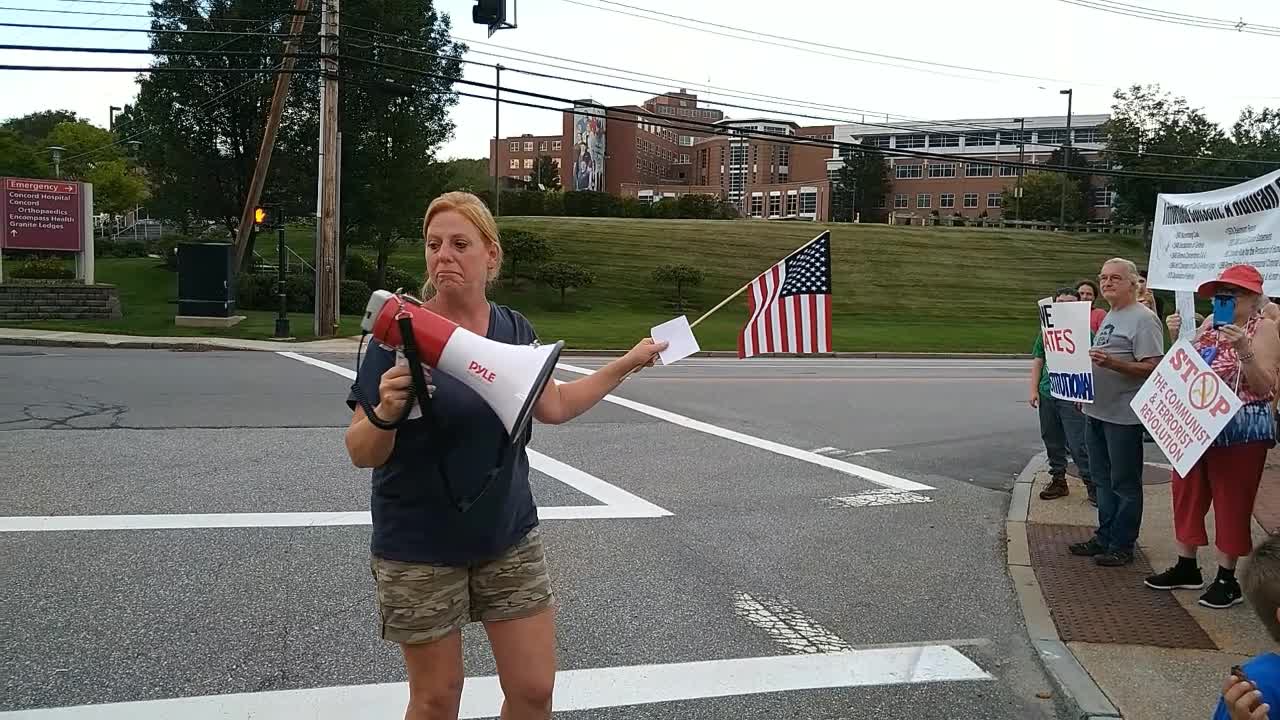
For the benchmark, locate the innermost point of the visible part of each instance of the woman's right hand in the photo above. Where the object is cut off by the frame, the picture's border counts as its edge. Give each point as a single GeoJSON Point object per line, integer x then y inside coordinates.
{"type": "Point", "coordinates": [393, 392]}
{"type": "Point", "coordinates": [1174, 322]}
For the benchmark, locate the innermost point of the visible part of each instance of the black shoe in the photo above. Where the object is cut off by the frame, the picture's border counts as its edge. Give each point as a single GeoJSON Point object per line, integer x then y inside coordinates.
{"type": "Point", "coordinates": [1115, 558]}
{"type": "Point", "coordinates": [1222, 594]}
{"type": "Point", "coordinates": [1087, 549]}
{"type": "Point", "coordinates": [1176, 578]}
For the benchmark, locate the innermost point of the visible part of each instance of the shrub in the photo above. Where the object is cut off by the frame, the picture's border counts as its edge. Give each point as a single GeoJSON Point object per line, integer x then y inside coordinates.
{"type": "Point", "coordinates": [46, 268]}
{"type": "Point", "coordinates": [562, 276]}
{"type": "Point", "coordinates": [257, 291]}
{"type": "Point", "coordinates": [680, 276]}
{"type": "Point", "coordinates": [524, 248]}
{"type": "Point", "coordinates": [353, 295]}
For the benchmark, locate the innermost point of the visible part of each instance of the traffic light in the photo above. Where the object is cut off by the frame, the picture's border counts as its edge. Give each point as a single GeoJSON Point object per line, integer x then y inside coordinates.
{"type": "Point", "coordinates": [492, 13]}
{"type": "Point", "coordinates": [259, 216]}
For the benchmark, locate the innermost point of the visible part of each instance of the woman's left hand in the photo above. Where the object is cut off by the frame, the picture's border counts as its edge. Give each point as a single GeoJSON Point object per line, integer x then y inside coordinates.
{"type": "Point", "coordinates": [1236, 336]}
{"type": "Point", "coordinates": [644, 353]}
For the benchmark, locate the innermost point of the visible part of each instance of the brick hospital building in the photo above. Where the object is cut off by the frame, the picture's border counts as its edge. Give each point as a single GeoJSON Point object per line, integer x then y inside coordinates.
{"type": "Point", "coordinates": [627, 151]}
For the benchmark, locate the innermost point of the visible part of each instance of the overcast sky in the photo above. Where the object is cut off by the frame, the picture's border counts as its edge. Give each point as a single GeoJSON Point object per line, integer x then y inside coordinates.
{"type": "Point", "coordinates": [1068, 46]}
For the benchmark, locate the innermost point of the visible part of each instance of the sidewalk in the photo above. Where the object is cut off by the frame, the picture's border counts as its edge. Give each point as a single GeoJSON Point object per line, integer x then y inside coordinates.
{"type": "Point", "coordinates": [1116, 647]}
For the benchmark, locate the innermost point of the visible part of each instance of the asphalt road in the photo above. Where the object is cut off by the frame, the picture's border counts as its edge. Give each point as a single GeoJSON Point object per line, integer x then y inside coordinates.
{"type": "Point", "coordinates": [713, 546]}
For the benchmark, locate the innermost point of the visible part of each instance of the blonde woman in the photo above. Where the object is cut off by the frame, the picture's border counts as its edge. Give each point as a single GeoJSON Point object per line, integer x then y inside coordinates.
{"type": "Point", "coordinates": [438, 567]}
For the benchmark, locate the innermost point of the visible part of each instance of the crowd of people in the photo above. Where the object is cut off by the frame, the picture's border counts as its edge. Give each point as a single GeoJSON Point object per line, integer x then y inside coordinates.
{"type": "Point", "coordinates": [1240, 341]}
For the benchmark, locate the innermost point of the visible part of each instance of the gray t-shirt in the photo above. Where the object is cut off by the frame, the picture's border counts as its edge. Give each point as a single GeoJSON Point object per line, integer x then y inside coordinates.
{"type": "Point", "coordinates": [1131, 333]}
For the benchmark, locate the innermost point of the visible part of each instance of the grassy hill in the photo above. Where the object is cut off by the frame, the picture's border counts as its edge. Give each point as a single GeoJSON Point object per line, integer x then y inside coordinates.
{"type": "Point", "coordinates": [895, 288]}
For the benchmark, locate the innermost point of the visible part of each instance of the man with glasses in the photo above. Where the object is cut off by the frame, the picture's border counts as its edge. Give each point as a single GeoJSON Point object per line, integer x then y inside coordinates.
{"type": "Point", "coordinates": [1126, 350]}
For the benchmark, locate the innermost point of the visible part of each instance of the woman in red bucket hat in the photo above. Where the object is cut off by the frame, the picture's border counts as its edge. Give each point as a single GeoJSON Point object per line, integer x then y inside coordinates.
{"type": "Point", "coordinates": [1244, 352]}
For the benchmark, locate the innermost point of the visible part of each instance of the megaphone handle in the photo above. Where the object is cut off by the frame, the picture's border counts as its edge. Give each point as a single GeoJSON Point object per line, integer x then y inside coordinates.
{"type": "Point", "coordinates": [415, 363]}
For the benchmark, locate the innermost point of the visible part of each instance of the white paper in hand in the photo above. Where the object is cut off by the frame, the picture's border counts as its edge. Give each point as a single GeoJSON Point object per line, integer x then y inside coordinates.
{"type": "Point", "coordinates": [1186, 302]}
{"type": "Point", "coordinates": [679, 338]}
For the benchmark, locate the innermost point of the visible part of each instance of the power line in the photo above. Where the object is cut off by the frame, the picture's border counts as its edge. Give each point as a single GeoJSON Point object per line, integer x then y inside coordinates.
{"type": "Point", "coordinates": [110, 2]}
{"type": "Point", "coordinates": [238, 34]}
{"type": "Point", "coordinates": [791, 113]}
{"type": "Point", "coordinates": [140, 70]}
{"type": "Point", "coordinates": [763, 38]}
{"type": "Point", "coordinates": [86, 12]}
{"type": "Point", "coordinates": [1164, 16]}
{"type": "Point", "coordinates": [162, 51]}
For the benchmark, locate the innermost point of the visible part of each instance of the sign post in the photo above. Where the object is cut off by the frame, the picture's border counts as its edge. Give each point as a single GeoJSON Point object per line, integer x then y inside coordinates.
{"type": "Point", "coordinates": [1184, 405]}
{"type": "Point", "coordinates": [48, 215]}
{"type": "Point", "coordinates": [1064, 328]}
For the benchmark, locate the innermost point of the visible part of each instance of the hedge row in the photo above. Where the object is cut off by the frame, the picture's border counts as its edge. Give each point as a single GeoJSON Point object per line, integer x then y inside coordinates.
{"type": "Point", "coordinates": [584, 203]}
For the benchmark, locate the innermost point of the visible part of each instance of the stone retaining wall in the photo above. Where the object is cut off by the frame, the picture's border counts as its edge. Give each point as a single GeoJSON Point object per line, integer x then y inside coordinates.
{"type": "Point", "coordinates": [58, 301]}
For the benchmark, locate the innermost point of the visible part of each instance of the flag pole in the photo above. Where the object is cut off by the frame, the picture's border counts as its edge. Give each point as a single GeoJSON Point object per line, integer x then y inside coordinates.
{"type": "Point", "coordinates": [744, 287]}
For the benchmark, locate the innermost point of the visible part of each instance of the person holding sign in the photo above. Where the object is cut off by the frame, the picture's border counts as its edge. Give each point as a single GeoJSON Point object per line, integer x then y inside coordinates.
{"type": "Point", "coordinates": [1126, 349]}
{"type": "Point", "coordinates": [1241, 346]}
{"type": "Point", "coordinates": [1061, 422]}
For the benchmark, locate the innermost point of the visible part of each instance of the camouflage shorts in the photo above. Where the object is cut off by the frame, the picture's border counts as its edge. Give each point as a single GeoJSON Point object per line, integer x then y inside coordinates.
{"type": "Point", "coordinates": [421, 603]}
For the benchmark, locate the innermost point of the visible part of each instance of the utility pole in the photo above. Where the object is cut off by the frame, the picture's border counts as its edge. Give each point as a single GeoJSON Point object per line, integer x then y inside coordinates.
{"type": "Point", "coordinates": [1066, 160]}
{"type": "Point", "coordinates": [497, 138]}
{"type": "Point", "coordinates": [326, 316]}
{"type": "Point", "coordinates": [278, 96]}
{"type": "Point", "coordinates": [1022, 143]}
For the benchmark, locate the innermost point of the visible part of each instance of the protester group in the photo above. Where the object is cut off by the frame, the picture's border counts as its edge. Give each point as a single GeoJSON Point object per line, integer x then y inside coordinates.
{"type": "Point", "coordinates": [1240, 342]}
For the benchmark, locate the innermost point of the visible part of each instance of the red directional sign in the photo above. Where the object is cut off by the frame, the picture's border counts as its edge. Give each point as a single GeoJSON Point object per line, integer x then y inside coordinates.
{"type": "Point", "coordinates": [41, 215]}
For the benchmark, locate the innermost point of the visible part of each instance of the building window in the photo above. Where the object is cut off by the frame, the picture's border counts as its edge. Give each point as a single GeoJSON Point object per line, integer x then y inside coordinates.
{"type": "Point", "coordinates": [906, 172]}
{"type": "Point", "coordinates": [1089, 135]}
{"type": "Point", "coordinates": [971, 200]}
{"type": "Point", "coordinates": [542, 146]}
{"type": "Point", "coordinates": [757, 205]}
{"type": "Point", "coordinates": [528, 146]}
{"type": "Point", "coordinates": [515, 163]}
{"type": "Point", "coordinates": [978, 170]}
{"type": "Point", "coordinates": [784, 156]}
{"type": "Point", "coordinates": [980, 139]}
{"type": "Point", "coordinates": [513, 146]}
{"type": "Point", "coordinates": [791, 203]}
{"type": "Point", "coordinates": [900, 201]}
{"type": "Point", "coordinates": [1052, 137]}
{"type": "Point", "coordinates": [993, 200]}
{"type": "Point", "coordinates": [808, 202]}
{"type": "Point", "coordinates": [775, 205]}
{"type": "Point", "coordinates": [878, 141]}
{"type": "Point", "coordinates": [942, 170]}
{"type": "Point", "coordinates": [555, 146]}
{"type": "Point", "coordinates": [1014, 137]}
{"type": "Point", "coordinates": [686, 140]}
{"type": "Point", "coordinates": [911, 141]}
{"type": "Point", "coordinates": [528, 163]}
{"type": "Point", "coordinates": [1104, 197]}
{"type": "Point", "coordinates": [944, 141]}
{"type": "Point", "coordinates": [924, 200]}
{"type": "Point", "coordinates": [947, 200]}
{"type": "Point", "coordinates": [1010, 171]}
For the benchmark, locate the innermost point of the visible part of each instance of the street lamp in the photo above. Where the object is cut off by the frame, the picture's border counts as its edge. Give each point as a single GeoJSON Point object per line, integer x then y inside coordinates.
{"type": "Point", "coordinates": [1017, 194]}
{"type": "Point", "coordinates": [111, 116]}
{"type": "Point", "coordinates": [1066, 161]}
{"type": "Point", "coordinates": [56, 152]}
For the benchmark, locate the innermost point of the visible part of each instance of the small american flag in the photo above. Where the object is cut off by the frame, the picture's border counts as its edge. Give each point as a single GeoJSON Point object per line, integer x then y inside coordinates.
{"type": "Point", "coordinates": [790, 304]}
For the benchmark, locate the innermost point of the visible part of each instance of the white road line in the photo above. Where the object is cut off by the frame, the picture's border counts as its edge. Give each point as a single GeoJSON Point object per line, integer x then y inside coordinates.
{"type": "Point", "coordinates": [826, 449]}
{"type": "Point", "coordinates": [618, 503]}
{"type": "Point", "coordinates": [866, 473]}
{"type": "Point", "coordinates": [788, 625]}
{"type": "Point", "coordinates": [873, 451]}
{"type": "Point", "coordinates": [586, 689]}
{"type": "Point", "coordinates": [875, 498]}
{"type": "Point", "coordinates": [338, 369]}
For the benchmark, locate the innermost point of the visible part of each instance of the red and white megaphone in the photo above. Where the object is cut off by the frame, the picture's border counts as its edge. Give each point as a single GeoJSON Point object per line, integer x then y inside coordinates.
{"type": "Point", "coordinates": [510, 378]}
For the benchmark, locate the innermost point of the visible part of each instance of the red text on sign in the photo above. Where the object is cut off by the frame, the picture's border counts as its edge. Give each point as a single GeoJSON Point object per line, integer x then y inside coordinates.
{"type": "Point", "coordinates": [1060, 341]}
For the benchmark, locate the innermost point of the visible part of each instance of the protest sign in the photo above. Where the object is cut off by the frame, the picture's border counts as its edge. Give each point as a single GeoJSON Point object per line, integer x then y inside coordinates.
{"type": "Point", "coordinates": [1184, 405]}
{"type": "Point", "coordinates": [1196, 235]}
{"type": "Point", "coordinates": [1064, 327]}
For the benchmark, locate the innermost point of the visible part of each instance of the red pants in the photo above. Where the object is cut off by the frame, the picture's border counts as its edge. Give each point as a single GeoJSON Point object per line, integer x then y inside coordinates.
{"type": "Point", "coordinates": [1228, 478]}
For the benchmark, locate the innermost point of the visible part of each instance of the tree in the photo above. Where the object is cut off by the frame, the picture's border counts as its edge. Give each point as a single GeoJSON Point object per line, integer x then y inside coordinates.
{"type": "Point", "coordinates": [563, 275]}
{"type": "Point", "coordinates": [1042, 198]}
{"type": "Point", "coordinates": [117, 187]}
{"type": "Point", "coordinates": [83, 144]}
{"type": "Point", "coordinates": [1146, 120]}
{"type": "Point", "coordinates": [1256, 136]}
{"type": "Point", "coordinates": [521, 247]}
{"type": "Point", "coordinates": [469, 174]}
{"type": "Point", "coordinates": [863, 180]}
{"type": "Point", "coordinates": [546, 174]}
{"type": "Point", "coordinates": [18, 158]}
{"type": "Point", "coordinates": [680, 275]}
{"type": "Point", "coordinates": [35, 127]}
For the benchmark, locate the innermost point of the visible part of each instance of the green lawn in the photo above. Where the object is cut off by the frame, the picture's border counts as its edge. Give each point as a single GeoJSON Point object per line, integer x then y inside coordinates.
{"type": "Point", "coordinates": [896, 288]}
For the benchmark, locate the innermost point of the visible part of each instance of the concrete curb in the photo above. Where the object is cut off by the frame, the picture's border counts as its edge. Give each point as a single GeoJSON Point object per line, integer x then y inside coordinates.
{"type": "Point", "coordinates": [197, 344]}
{"type": "Point", "coordinates": [1073, 682]}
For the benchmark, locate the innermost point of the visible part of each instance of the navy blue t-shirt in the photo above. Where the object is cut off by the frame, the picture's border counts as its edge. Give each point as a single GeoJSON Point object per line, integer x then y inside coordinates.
{"type": "Point", "coordinates": [414, 519]}
{"type": "Point", "coordinates": [1264, 672]}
